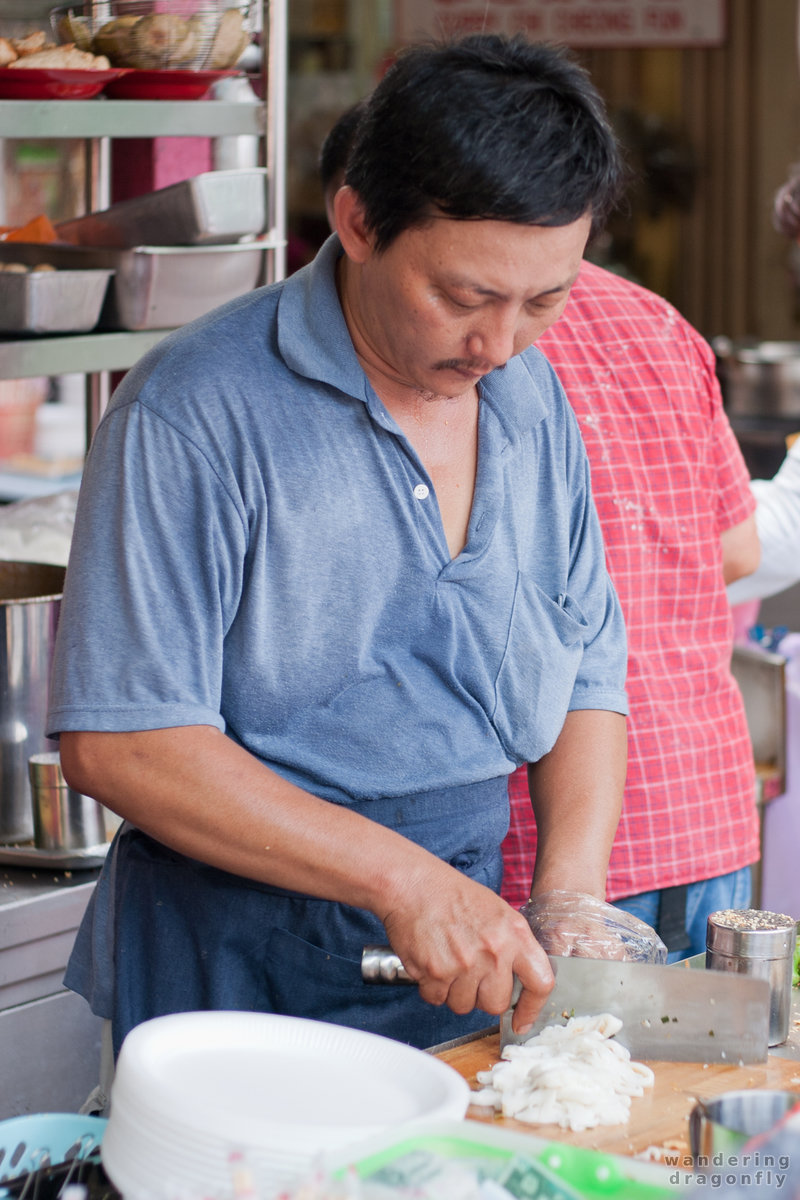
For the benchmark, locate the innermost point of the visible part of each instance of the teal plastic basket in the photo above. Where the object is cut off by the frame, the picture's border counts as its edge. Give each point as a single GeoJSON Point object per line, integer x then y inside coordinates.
{"type": "Point", "coordinates": [46, 1139]}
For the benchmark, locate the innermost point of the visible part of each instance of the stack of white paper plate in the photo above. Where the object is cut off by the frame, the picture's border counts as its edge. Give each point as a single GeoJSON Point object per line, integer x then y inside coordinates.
{"type": "Point", "coordinates": [197, 1093]}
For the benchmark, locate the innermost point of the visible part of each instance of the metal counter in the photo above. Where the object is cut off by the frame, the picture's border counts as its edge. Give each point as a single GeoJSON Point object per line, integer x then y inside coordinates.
{"type": "Point", "coordinates": [49, 1038]}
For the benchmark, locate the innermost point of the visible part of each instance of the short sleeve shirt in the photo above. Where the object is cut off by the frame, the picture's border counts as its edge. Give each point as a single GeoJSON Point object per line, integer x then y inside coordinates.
{"type": "Point", "coordinates": [258, 548]}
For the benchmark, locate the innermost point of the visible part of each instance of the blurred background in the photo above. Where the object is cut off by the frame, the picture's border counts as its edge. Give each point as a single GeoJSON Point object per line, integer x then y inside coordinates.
{"type": "Point", "coordinates": [704, 94]}
{"type": "Point", "coordinates": [708, 106]}
{"type": "Point", "coordinates": [710, 116]}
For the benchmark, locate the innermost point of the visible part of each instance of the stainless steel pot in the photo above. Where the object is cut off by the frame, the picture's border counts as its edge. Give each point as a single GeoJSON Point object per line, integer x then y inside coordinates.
{"type": "Point", "coordinates": [30, 600]}
{"type": "Point", "coordinates": [759, 379]}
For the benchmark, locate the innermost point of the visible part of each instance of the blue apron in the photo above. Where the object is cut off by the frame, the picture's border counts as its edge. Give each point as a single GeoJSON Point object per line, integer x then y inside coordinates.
{"type": "Point", "coordinates": [187, 936]}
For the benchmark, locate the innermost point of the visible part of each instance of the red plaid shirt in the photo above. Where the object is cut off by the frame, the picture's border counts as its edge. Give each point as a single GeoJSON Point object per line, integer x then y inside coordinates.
{"type": "Point", "coordinates": [668, 478]}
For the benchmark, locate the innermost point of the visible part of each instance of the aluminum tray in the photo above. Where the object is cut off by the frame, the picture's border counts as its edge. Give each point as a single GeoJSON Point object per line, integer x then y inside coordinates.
{"type": "Point", "coordinates": [215, 207]}
{"type": "Point", "coordinates": [67, 301]}
{"type": "Point", "coordinates": [27, 855]}
{"type": "Point", "coordinates": [156, 287]}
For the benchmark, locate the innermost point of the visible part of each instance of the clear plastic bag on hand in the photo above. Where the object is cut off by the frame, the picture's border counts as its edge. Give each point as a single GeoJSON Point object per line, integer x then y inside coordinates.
{"type": "Point", "coordinates": [575, 923]}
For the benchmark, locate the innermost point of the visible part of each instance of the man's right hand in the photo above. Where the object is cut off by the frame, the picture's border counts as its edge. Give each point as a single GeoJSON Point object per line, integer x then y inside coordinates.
{"type": "Point", "coordinates": [463, 946]}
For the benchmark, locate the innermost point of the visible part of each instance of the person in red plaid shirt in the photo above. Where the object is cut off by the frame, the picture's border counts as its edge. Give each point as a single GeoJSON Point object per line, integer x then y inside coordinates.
{"type": "Point", "coordinates": [672, 492]}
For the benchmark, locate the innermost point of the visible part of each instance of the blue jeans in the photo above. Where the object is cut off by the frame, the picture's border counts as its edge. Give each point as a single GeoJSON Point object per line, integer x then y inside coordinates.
{"type": "Point", "coordinates": [702, 898]}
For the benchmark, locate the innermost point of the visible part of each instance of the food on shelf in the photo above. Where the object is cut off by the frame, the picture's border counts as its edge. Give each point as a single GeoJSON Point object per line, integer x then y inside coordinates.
{"type": "Point", "coordinates": [16, 268]}
{"type": "Point", "coordinates": [111, 39]}
{"type": "Point", "coordinates": [38, 229]}
{"type": "Point", "coordinates": [30, 43]}
{"type": "Point", "coordinates": [35, 52]}
{"type": "Point", "coordinates": [162, 41]}
{"type": "Point", "coordinates": [133, 36]}
{"type": "Point", "coordinates": [73, 29]}
{"type": "Point", "coordinates": [68, 58]}
{"type": "Point", "coordinates": [230, 42]}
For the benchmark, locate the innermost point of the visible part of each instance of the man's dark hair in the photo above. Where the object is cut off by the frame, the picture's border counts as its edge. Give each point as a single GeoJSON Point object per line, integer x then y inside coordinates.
{"type": "Point", "coordinates": [335, 149]}
{"type": "Point", "coordinates": [484, 128]}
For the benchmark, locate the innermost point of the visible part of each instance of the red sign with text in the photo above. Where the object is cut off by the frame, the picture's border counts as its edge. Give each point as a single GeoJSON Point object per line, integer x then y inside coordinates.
{"type": "Point", "coordinates": [571, 22]}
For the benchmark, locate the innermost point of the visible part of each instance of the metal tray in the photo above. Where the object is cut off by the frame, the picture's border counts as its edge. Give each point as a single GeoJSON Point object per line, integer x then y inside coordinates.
{"type": "Point", "coordinates": [65, 301]}
{"type": "Point", "coordinates": [212, 208]}
{"type": "Point", "coordinates": [761, 676]}
{"type": "Point", "coordinates": [156, 287]}
{"type": "Point", "coordinates": [28, 855]}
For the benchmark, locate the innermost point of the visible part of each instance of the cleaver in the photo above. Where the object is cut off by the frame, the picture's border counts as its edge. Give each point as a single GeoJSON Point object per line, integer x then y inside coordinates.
{"type": "Point", "coordinates": [672, 1014]}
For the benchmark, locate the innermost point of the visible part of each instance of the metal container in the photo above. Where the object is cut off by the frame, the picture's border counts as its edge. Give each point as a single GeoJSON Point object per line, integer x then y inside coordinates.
{"type": "Point", "coordinates": [52, 301]}
{"type": "Point", "coordinates": [719, 1128]}
{"type": "Point", "coordinates": [63, 819]}
{"type": "Point", "coordinates": [759, 379]}
{"type": "Point", "coordinates": [30, 600]}
{"type": "Point", "coordinates": [751, 942]}
{"type": "Point", "coordinates": [156, 287]}
{"type": "Point", "coordinates": [214, 207]}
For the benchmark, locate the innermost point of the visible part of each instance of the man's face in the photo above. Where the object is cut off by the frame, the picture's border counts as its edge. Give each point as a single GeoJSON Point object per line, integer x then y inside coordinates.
{"type": "Point", "coordinates": [449, 301]}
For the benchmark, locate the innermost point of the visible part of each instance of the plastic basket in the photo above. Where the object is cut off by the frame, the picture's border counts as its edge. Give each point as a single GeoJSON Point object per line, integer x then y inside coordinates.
{"type": "Point", "coordinates": [46, 1139]}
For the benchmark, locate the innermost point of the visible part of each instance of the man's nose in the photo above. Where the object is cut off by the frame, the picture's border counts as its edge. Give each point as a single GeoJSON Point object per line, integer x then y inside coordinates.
{"type": "Point", "coordinates": [495, 342]}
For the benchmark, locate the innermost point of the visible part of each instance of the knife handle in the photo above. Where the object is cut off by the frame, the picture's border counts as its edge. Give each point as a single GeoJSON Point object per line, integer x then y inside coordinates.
{"type": "Point", "coordinates": [380, 964]}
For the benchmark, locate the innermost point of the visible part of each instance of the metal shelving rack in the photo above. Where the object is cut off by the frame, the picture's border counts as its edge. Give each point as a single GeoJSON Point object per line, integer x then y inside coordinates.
{"type": "Point", "coordinates": [99, 120]}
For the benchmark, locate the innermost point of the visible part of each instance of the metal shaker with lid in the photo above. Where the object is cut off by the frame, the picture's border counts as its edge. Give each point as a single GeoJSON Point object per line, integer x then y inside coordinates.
{"type": "Point", "coordinates": [749, 941]}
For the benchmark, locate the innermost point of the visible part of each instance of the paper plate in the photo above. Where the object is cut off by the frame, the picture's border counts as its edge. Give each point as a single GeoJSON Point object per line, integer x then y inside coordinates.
{"type": "Point", "coordinates": [192, 1087]}
{"type": "Point", "coordinates": [133, 84]}
{"type": "Point", "coordinates": [52, 83]}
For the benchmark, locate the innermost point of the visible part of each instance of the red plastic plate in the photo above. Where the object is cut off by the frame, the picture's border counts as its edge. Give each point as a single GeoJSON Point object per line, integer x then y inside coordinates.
{"type": "Point", "coordinates": [52, 83]}
{"type": "Point", "coordinates": [132, 84]}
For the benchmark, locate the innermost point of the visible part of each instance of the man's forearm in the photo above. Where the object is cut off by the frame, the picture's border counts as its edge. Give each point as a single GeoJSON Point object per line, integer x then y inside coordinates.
{"type": "Point", "coordinates": [197, 791]}
{"type": "Point", "coordinates": [576, 793]}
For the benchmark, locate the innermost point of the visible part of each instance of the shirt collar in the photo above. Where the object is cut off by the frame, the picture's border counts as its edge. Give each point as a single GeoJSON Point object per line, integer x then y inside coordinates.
{"type": "Point", "coordinates": [314, 341]}
{"type": "Point", "coordinates": [313, 337]}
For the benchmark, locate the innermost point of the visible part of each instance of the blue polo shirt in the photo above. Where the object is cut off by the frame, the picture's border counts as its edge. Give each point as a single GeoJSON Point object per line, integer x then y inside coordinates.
{"type": "Point", "coordinates": [258, 547]}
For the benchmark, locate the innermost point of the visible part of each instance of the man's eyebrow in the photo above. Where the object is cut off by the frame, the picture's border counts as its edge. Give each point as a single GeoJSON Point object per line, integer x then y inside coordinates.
{"type": "Point", "coordinates": [468, 286]}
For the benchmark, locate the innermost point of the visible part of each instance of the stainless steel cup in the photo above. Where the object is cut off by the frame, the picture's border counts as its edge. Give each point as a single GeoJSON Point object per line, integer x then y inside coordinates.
{"type": "Point", "coordinates": [63, 819]}
{"type": "Point", "coordinates": [749, 941]}
{"type": "Point", "coordinates": [30, 601]}
{"type": "Point", "coordinates": [720, 1127]}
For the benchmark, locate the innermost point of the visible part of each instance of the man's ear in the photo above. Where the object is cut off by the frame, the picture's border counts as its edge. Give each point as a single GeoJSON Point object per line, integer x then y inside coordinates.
{"type": "Point", "coordinates": [351, 226]}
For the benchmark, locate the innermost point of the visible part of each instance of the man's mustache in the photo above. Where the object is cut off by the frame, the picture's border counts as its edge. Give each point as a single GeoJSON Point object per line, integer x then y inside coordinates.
{"type": "Point", "coordinates": [474, 366]}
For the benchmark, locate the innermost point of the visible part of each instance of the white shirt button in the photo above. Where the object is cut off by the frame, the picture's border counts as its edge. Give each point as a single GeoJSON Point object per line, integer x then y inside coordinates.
{"type": "Point", "coordinates": [422, 491]}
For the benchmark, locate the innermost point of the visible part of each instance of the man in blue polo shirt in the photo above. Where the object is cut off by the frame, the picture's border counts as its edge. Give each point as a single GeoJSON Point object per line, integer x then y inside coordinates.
{"type": "Point", "coordinates": [336, 572]}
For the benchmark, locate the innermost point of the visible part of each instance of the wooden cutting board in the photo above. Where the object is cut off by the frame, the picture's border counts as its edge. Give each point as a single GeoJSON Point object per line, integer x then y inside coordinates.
{"type": "Point", "coordinates": [658, 1119]}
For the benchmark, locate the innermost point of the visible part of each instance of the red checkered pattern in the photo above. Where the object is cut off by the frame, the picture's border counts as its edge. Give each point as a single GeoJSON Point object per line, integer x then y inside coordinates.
{"type": "Point", "coordinates": [668, 477]}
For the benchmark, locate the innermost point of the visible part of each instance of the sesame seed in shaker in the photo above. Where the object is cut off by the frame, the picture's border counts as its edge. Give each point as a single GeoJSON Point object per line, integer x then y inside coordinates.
{"type": "Point", "coordinates": [749, 941]}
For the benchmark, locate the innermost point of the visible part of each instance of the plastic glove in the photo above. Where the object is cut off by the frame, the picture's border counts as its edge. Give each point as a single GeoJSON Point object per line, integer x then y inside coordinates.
{"type": "Point", "coordinates": [574, 923]}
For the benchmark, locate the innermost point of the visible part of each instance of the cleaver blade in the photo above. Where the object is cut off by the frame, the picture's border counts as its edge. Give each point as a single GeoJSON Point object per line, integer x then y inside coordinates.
{"type": "Point", "coordinates": [668, 1013]}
